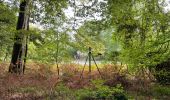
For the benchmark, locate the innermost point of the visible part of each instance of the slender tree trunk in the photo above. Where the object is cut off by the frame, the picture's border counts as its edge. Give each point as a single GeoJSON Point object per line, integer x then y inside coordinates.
{"type": "Point", "coordinates": [57, 53]}
{"type": "Point", "coordinates": [19, 47]}
{"type": "Point", "coordinates": [26, 48]}
{"type": "Point", "coordinates": [6, 54]}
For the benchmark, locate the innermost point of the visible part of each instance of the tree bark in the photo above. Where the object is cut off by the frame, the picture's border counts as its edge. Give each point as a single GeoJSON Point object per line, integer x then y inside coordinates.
{"type": "Point", "coordinates": [19, 47]}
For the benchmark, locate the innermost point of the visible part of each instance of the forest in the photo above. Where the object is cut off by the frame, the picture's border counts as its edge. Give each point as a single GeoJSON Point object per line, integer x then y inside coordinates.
{"type": "Point", "coordinates": [84, 49]}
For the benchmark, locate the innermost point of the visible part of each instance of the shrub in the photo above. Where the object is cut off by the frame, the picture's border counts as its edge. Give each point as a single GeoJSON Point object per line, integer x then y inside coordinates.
{"type": "Point", "coordinates": [115, 74]}
{"type": "Point", "coordinates": [61, 92]}
{"type": "Point", "coordinates": [101, 92]}
{"type": "Point", "coordinates": [68, 71]}
{"type": "Point", "coordinates": [163, 72]}
{"type": "Point", "coordinates": [159, 90]}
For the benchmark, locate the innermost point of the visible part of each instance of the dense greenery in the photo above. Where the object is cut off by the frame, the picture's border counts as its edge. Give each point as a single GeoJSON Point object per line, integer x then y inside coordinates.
{"type": "Point", "coordinates": [7, 30]}
{"type": "Point", "coordinates": [142, 29]}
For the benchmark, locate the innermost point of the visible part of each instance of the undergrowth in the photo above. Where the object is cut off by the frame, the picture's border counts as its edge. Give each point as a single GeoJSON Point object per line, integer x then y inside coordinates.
{"type": "Point", "coordinates": [41, 83]}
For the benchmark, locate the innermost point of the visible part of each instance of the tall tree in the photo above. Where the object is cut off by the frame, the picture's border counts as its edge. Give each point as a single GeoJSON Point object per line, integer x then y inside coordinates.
{"type": "Point", "coordinates": [41, 12]}
{"type": "Point", "coordinates": [20, 39]}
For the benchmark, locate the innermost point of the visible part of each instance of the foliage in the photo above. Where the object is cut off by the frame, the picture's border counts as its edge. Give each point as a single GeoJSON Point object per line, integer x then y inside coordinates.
{"type": "Point", "coordinates": [100, 91]}
{"type": "Point", "coordinates": [142, 31]}
{"type": "Point", "coordinates": [159, 90]}
{"type": "Point", "coordinates": [89, 36]}
{"type": "Point", "coordinates": [7, 24]}
{"type": "Point", "coordinates": [162, 73]}
{"type": "Point", "coordinates": [49, 46]}
{"type": "Point", "coordinates": [38, 83]}
{"type": "Point", "coordinates": [95, 93]}
{"type": "Point", "coordinates": [62, 92]}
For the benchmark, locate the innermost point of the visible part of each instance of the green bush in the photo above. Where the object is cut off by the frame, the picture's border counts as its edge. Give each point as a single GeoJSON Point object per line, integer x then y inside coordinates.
{"type": "Point", "coordinates": [161, 90]}
{"type": "Point", "coordinates": [96, 92]}
{"type": "Point", "coordinates": [28, 89]}
{"type": "Point", "coordinates": [101, 92]}
{"type": "Point", "coordinates": [61, 92]}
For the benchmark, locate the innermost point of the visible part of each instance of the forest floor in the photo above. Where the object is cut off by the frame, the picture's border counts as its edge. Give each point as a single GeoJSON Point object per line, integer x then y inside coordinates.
{"type": "Point", "coordinates": [41, 82]}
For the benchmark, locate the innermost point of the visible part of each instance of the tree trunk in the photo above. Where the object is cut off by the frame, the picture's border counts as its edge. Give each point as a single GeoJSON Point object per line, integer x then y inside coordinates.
{"type": "Point", "coordinates": [6, 54]}
{"type": "Point", "coordinates": [20, 40]}
{"type": "Point", "coordinates": [57, 54]}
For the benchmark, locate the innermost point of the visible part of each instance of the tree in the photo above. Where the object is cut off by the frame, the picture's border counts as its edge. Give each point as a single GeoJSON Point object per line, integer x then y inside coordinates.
{"type": "Point", "coordinates": [19, 53]}
{"type": "Point", "coordinates": [89, 35]}
{"type": "Point", "coordinates": [142, 28]}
